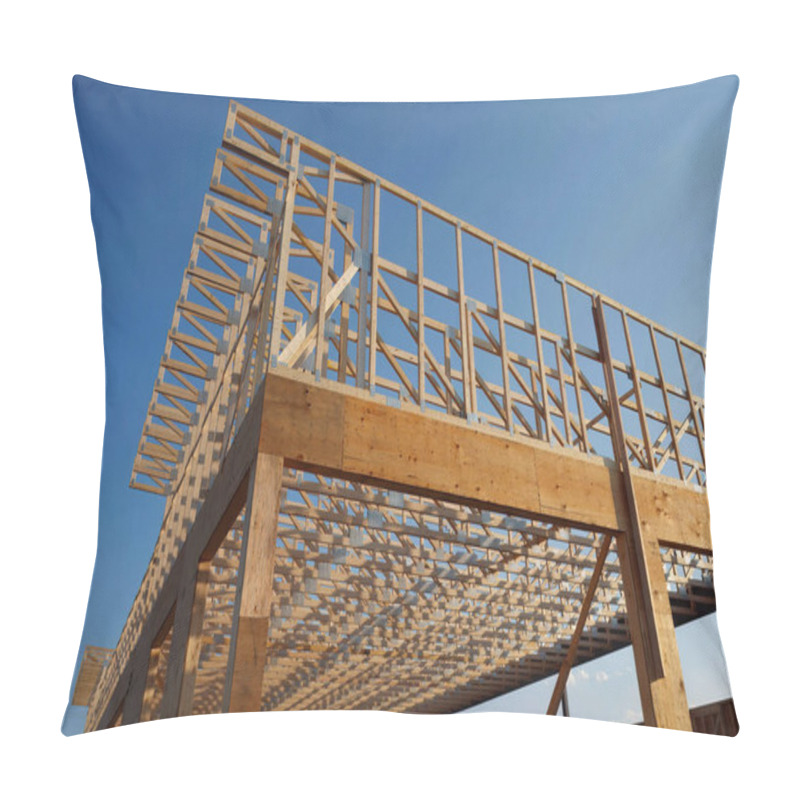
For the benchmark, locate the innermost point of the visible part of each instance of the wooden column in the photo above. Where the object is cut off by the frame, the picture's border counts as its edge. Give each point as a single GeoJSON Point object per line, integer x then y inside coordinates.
{"type": "Point", "coordinates": [133, 699]}
{"type": "Point", "coordinates": [661, 686]}
{"type": "Point", "coordinates": [183, 616]}
{"type": "Point", "coordinates": [247, 656]}
{"type": "Point", "coordinates": [194, 643]}
{"type": "Point", "coordinates": [655, 647]}
{"type": "Point", "coordinates": [148, 700]}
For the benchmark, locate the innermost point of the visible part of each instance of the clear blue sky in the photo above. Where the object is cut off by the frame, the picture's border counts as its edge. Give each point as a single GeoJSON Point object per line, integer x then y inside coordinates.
{"type": "Point", "coordinates": [619, 192]}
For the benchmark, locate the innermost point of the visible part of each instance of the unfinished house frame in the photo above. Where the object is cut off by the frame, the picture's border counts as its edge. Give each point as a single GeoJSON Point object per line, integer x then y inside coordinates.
{"type": "Point", "coordinates": [406, 465]}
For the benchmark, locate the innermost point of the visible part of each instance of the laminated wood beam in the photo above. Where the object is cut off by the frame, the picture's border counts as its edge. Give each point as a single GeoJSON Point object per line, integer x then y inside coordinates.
{"type": "Point", "coordinates": [193, 643]}
{"type": "Point", "coordinates": [342, 431]}
{"type": "Point", "coordinates": [251, 614]}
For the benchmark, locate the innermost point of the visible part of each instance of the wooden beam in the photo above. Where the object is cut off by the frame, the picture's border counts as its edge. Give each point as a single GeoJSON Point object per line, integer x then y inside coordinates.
{"type": "Point", "coordinates": [248, 650]}
{"type": "Point", "coordinates": [563, 674]}
{"type": "Point", "coordinates": [193, 644]}
{"type": "Point", "coordinates": [224, 498]}
{"type": "Point", "coordinates": [658, 666]}
{"type": "Point", "coordinates": [341, 431]}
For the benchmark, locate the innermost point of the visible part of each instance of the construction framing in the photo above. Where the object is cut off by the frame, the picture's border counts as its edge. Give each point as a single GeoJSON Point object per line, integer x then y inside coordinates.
{"type": "Point", "coordinates": [406, 466]}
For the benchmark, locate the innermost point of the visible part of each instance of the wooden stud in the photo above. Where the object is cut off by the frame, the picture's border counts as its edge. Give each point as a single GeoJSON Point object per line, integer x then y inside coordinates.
{"type": "Point", "coordinates": [539, 351]}
{"type": "Point", "coordinates": [373, 306]}
{"type": "Point", "coordinates": [421, 350]}
{"type": "Point", "coordinates": [501, 326]}
{"type": "Point", "coordinates": [363, 279]}
{"type": "Point", "coordinates": [667, 409]}
{"type": "Point", "coordinates": [283, 258]}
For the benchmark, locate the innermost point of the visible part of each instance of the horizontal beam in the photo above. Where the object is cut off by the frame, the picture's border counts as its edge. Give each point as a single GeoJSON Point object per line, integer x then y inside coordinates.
{"type": "Point", "coordinates": [346, 432]}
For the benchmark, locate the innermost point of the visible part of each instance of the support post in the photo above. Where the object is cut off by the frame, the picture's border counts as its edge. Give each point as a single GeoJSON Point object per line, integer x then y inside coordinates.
{"type": "Point", "coordinates": [133, 700]}
{"type": "Point", "coordinates": [141, 703]}
{"type": "Point", "coordinates": [184, 619]}
{"type": "Point", "coordinates": [247, 656]}
{"type": "Point", "coordinates": [148, 700]}
{"type": "Point", "coordinates": [194, 643]}
{"type": "Point", "coordinates": [655, 647]}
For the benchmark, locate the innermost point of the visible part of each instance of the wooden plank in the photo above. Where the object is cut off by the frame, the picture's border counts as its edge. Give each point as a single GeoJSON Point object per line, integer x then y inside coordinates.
{"type": "Point", "coordinates": [373, 305]}
{"type": "Point", "coordinates": [343, 328]}
{"type": "Point", "coordinates": [283, 257]}
{"type": "Point", "coordinates": [501, 327]}
{"type": "Point", "coordinates": [677, 515]}
{"type": "Point", "coordinates": [637, 388]}
{"type": "Point", "coordinates": [343, 431]}
{"type": "Point", "coordinates": [693, 409]}
{"type": "Point", "coordinates": [91, 666]}
{"type": "Point", "coordinates": [248, 649]}
{"type": "Point", "coordinates": [310, 329]}
{"type": "Point", "coordinates": [559, 691]}
{"type": "Point", "coordinates": [584, 444]}
{"type": "Point", "coordinates": [668, 410]}
{"type": "Point", "coordinates": [663, 695]}
{"type": "Point", "coordinates": [321, 354]}
{"type": "Point", "coordinates": [658, 666]}
{"type": "Point", "coordinates": [539, 352]}
{"type": "Point", "coordinates": [193, 644]}
{"type": "Point", "coordinates": [148, 700]}
{"type": "Point", "coordinates": [153, 694]}
{"type": "Point", "coordinates": [361, 346]}
{"type": "Point", "coordinates": [468, 383]}
{"type": "Point", "coordinates": [421, 350]}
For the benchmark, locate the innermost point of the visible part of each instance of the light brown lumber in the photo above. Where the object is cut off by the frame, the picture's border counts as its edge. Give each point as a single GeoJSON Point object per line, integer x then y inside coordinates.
{"type": "Point", "coordinates": [569, 658]}
{"type": "Point", "coordinates": [655, 647]}
{"type": "Point", "coordinates": [341, 431]}
{"type": "Point", "coordinates": [251, 614]}
{"type": "Point", "coordinates": [193, 644]}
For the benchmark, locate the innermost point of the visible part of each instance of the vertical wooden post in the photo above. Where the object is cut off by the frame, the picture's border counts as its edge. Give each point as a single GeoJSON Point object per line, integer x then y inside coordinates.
{"type": "Point", "coordinates": [183, 621]}
{"type": "Point", "coordinates": [373, 302]}
{"type": "Point", "coordinates": [576, 380]}
{"type": "Point", "coordinates": [363, 278]}
{"type": "Point", "coordinates": [283, 257]}
{"type": "Point", "coordinates": [133, 701]}
{"type": "Point", "coordinates": [247, 656]}
{"type": "Point", "coordinates": [467, 375]}
{"type": "Point", "coordinates": [420, 312]}
{"type": "Point", "coordinates": [539, 353]}
{"type": "Point", "coordinates": [637, 389]}
{"type": "Point", "coordinates": [193, 644]}
{"type": "Point", "coordinates": [501, 329]}
{"type": "Point", "coordinates": [655, 647]}
{"type": "Point", "coordinates": [148, 699]}
{"type": "Point", "coordinates": [321, 355]}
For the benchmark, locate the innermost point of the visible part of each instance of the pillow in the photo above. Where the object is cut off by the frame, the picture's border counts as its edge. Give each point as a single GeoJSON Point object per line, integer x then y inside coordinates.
{"type": "Point", "coordinates": [404, 406]}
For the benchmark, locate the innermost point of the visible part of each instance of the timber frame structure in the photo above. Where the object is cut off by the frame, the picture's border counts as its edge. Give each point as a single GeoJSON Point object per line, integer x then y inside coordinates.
{"type": "Point", "coordinates": [388, 491]}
